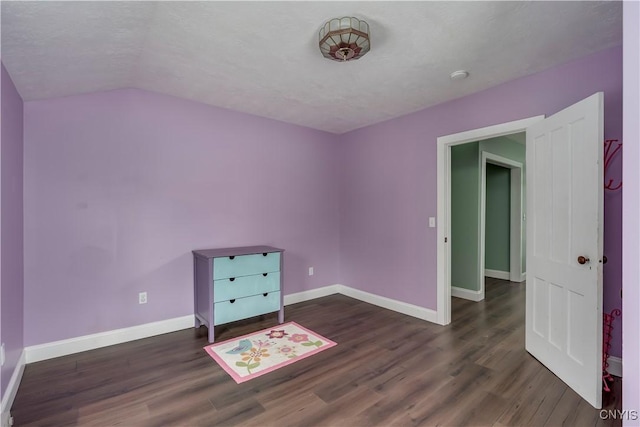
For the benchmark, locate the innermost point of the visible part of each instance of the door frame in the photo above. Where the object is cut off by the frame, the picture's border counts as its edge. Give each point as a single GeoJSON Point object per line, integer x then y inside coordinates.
{"type": "Point", "coordinates": [515, 215]}
{"type": "Point", "coordinates": [444, 144]}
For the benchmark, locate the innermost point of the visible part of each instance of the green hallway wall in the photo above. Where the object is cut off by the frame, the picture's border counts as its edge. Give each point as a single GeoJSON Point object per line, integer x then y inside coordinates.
{"type": "Point", "coordinates": [465, 205]}
{"type": "Point", "coordinates": [465, 210]}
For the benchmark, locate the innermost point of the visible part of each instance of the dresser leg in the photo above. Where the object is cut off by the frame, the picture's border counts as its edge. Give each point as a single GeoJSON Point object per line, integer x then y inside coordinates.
{"type": "Point", "coordinates": [281, 315]}
{"type": "Point", "coordinates": [211, 334]}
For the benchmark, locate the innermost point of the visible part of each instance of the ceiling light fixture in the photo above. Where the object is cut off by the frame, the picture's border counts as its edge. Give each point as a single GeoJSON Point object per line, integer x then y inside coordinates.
{"type": "Point", "coordinates": [344, 39]}
{"type": "Point", "coordinates": [459, 75]}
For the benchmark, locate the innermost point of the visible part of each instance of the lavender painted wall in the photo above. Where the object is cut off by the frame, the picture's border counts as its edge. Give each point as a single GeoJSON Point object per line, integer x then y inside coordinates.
{"type": "Point", "coordinates": [120, 186]}
{"type": "Point", "coordinates": [388, 186]}
{"type": "Point", "coordinates": [115, 187]}
{"type": "Point", "coordinates": [631, 213]}
{"type": "Point", "coordinates": [11, 254]}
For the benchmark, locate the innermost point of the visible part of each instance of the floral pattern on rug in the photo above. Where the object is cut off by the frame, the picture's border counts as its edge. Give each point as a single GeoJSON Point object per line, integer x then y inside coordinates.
{"type": "Point", "coordinates": [264, 351]}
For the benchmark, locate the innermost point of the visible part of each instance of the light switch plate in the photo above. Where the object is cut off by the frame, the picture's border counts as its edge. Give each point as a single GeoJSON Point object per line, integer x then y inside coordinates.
{"type": "Point", "coordinates": [432, 222]}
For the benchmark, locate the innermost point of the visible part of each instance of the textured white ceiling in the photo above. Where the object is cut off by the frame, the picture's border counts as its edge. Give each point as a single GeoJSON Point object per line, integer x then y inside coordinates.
{"type": "Point", "coordinates": [262, 57]}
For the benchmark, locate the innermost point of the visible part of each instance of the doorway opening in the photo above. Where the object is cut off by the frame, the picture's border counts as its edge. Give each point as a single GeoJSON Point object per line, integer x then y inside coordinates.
{"type": "Point", "coordinates": [507, 231]}
{"type": "Point", "coordinates": [487, 199]}
{"type": "Point", "coordinates": [444, 159]}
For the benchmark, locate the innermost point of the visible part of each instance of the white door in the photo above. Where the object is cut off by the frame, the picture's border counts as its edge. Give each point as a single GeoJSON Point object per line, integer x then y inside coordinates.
{"type": "Point", "coordinates": [564, 250]}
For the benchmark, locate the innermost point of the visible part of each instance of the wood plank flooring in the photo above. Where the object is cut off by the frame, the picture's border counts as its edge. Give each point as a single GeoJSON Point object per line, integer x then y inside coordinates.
{"type": "Point", "coordinates": [387, 370]}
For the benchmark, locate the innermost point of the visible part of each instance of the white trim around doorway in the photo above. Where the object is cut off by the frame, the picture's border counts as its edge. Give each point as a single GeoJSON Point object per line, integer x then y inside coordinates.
{"type": "Point", "coordinates": [444, 144]}
{"type": "Point", "coordinates": [515, 215]}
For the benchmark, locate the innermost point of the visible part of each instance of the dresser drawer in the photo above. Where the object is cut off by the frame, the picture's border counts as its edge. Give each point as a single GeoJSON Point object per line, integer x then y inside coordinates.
{"type": "Point", "coordinates": [245, 265]}
{"type": "Point", "coordinates": [242, 308]}
{"type": "Point", "coordinates": [245, 286]}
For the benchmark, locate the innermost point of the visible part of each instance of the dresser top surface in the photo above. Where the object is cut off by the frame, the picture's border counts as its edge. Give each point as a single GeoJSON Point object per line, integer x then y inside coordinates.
{"type": "Point", "coordinates": [245, 250]}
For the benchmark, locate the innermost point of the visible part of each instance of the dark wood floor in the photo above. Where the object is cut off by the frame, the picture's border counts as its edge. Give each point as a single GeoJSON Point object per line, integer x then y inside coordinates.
{"type": "Point", "coordinates": [387, 370]}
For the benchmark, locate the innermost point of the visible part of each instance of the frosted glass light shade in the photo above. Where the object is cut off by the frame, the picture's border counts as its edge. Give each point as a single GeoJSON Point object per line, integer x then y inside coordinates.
{"type": "Point", "coordinates": [344, 39]}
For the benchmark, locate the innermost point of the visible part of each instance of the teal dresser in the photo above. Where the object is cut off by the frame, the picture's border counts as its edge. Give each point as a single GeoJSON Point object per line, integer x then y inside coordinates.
{"type": "Point", "coordinates": [236, 283]}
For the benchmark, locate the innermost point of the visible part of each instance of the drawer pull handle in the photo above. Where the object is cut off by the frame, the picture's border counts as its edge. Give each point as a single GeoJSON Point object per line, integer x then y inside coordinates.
{"type": "Point", "coordinates": [232, 301]}
{"type": "Point", "coordinates": [264, 254]}
{"type": "Point", "coordinates": [231, 279]}
{"type": "Point", "coordinates": [265, 294]}
{"type": "Point", "coordinates": [265, 274]}
{"type": "Point", "coordinates": [232, 257]}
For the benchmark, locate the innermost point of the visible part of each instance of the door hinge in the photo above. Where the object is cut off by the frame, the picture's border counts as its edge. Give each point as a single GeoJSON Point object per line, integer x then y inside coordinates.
{"type": "Point", "coordinates": [445, 239]}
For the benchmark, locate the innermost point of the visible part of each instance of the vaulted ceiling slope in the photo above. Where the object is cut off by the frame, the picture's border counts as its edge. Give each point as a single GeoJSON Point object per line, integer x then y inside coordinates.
{"type": "Point", "coordinates": [262, 57]}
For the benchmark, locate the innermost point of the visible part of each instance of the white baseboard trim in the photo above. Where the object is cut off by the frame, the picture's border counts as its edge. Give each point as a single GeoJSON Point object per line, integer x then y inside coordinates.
{"type": "Point", "coordinates": [384, 302]}
{"type": "Point", "coordinates": [12, 390]}
{"type": "Point", "coordinates": [311, 294]}
{"type": "Point", "coordinates": [615, 366]}
{"type": "Point", "coordinates": [391, 304]}
{"type": "Point", "coordinates": [497, 274]}
{"type": "Point", "coordinates": [50, 350]}
{"type": "Point", "coordinates": [467, 294]}
{"type": "Point", "coordinates": [54, 349]}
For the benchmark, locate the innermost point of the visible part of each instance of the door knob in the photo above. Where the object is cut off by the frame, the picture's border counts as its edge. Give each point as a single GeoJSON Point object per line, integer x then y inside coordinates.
{"type": "Point", "coordinates": [604, 259]}
{"type": "Point", "coordinates": [582, 260]}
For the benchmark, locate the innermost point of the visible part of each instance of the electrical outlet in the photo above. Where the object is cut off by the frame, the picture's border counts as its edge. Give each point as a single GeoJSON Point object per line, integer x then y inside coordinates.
{"type": "Point", "coordinates": [310, 271]}
{"type": "Point", "coordinates": [2, 354]}
{"type": "Point", "coordinates": [142, 298]}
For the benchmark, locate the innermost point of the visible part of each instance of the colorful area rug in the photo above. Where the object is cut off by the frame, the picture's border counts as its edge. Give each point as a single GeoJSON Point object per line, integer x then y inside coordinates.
{"type": "Point", "coordinates": [261, 352]}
